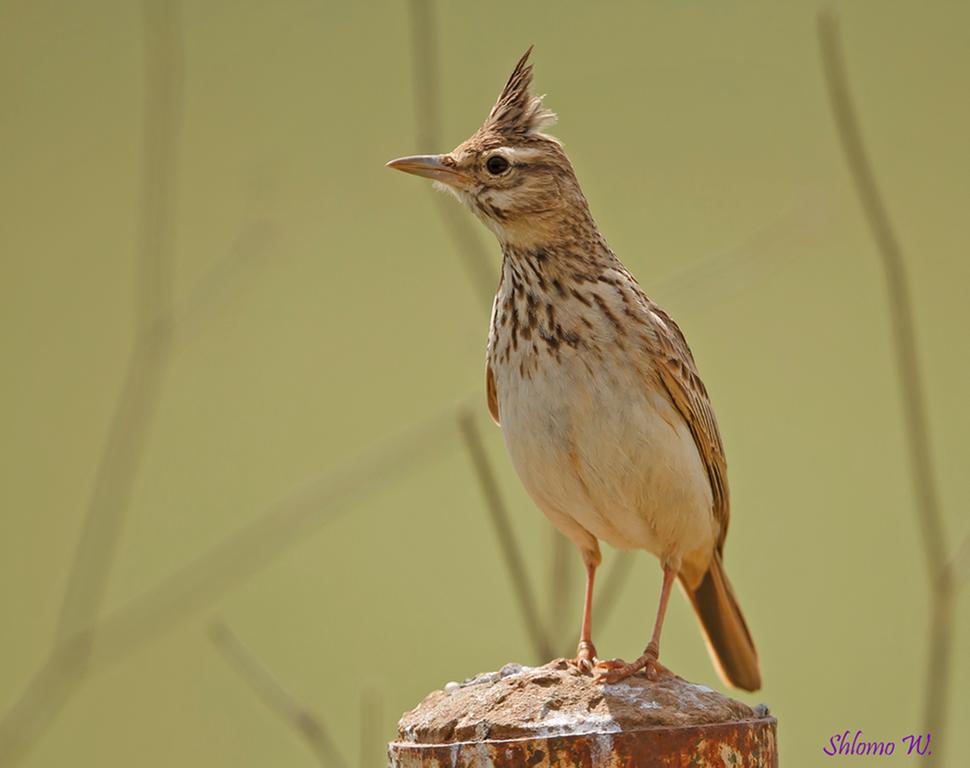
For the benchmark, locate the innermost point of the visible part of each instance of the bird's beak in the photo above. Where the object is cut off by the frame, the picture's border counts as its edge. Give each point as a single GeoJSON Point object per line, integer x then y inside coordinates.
{"type": "Point", "coordinates": [431, 167]}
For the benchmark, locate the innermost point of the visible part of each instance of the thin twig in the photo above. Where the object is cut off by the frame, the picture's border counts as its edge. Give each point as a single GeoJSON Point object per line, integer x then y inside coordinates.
{"type": "Point", "coordinates": [937, 691]}
{"type": "Point", "coordinates": [282, 526]}
{"type": "Point", "coordinates": [902, 323]}
{"type": "Point", "coordinates": [619, 571]}
{"type": "Point", "coordinates": [56, 680]}
{"type": "Point", "coordinates": [559, 589]}
{"type": "Point", "coordinates": [251, 242]}
{"type": "Point", "coordinates": [127, 438]}
{"type": "Point", "coordinates": [901, 315]}
{"type": "Point", "coordinates": [101, 530]}
{"type": "Point", "coordinates": [960, 562]}
{"type": "Point", "coordinates": [371, 736]}
{"type": "Point", "coordinates": [427, 87]}
{"type": "Point", "coordinates": [424, 62]}
{"type": "Point", "coordinates": [715, 277]}
{"type": "Point", "coordinates": [149, 615]}
{"type": "Point", "coordinates": [275, 697]}
{"type": "Point", "coordinates": [48, 690]}
{"type": "Point", "coordinates": [514, 562]}
{"type": "Point", "coordinates": [58, 677]}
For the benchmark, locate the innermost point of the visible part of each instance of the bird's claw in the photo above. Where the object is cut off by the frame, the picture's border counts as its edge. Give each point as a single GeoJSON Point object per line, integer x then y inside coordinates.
{"type": "Point", "coordinates": [610, 670]}
{"type": "Point", "coordinates": [585, 660]}
{"type": "Point", "coordinates": [615, 670]}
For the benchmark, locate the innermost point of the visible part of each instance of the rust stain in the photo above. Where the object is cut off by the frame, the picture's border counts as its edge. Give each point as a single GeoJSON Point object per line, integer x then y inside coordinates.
{"type": "Point", "coordinates": [741, 744]}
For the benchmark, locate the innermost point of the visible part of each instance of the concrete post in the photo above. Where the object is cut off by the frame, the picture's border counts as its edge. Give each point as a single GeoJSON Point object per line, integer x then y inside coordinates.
{"type": "Point", "coordinates": [540, 717]}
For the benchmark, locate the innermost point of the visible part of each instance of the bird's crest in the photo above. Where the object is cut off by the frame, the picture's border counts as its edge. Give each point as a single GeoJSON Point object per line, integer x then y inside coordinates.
{"type": "Point", "coordinates": [517, 112]}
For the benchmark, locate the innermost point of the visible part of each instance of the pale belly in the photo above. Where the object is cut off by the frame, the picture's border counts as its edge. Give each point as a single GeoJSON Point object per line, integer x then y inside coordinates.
{"type": "Point", "coordinates": [607, 454]}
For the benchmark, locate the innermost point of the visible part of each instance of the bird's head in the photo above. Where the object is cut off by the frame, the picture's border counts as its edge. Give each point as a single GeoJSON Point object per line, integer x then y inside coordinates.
{"type": "Point", "coordinates": [513, 176]}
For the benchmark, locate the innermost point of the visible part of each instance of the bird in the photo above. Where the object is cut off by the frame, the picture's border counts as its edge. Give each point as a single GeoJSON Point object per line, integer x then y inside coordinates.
{"type": "Point", "coordinates": [604, 414]}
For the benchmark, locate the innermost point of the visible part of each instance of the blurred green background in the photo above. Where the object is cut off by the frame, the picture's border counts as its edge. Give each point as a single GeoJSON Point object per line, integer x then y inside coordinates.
{"type": "Point", "coordinates": [321, 308]}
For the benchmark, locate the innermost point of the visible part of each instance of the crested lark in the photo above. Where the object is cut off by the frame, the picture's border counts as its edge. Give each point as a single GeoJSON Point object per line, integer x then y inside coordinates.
{"type": "Point", "coordinates": [604, 414]}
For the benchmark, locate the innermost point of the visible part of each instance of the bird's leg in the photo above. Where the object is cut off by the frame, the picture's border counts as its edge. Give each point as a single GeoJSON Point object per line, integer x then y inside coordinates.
{"type": "Point", "coordinates": [614, 671]}
{"type": "Point", "coordinates": [586, 651]}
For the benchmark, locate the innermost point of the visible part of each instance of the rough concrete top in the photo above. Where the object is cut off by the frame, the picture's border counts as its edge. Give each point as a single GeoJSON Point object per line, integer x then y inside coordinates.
{"type": "Point", "coordinates": [557, 700]}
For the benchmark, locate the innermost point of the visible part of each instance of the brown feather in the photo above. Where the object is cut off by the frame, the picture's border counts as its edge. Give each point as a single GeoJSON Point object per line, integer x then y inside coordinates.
{"type": "Point", "coordinates": [516, 111]}
{"type": "Point", "coordinates": [491, 394]}
{"type": "Point", "coordinates": [678, 374]}
{"type": "Point", "coordinates": [728, 638]}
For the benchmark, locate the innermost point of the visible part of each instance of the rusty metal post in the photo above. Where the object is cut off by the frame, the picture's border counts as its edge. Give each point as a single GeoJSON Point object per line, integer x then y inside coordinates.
{"type": "Point", "coordinates": [548, 716]}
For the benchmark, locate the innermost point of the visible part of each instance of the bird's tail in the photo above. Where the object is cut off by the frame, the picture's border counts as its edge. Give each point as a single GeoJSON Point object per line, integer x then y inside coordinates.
{"type": "Point", "coordinates": [725, 630]}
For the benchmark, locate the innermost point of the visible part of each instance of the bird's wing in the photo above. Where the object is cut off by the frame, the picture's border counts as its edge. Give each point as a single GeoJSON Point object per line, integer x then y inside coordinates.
{"type": "Point", "coordinates": [490, 393]}
{"type": "Point", "coordinates": [678, 374]}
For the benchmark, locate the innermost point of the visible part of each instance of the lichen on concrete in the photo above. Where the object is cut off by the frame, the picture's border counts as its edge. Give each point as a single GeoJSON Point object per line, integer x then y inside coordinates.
{"type": "Point", "coordinates": [558, 700]}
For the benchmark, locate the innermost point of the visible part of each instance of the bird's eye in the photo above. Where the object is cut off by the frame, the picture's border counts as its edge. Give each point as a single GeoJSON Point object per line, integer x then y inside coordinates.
{"type": "Point", "coordinates": [497, 164]}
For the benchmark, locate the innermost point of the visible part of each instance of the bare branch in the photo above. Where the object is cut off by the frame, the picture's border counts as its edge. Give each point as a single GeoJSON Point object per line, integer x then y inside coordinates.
{"type": "Point", "coordinates": [508, 543]}
{"type": "Point", "coordinates": [280, 527]}
{"type": "Point", "coordinates": [277, 699]}
{"type": "Point", "coordinates": [124, 448]}
{"type": "Point", "coordinates": [197, 584]}
{"type": "Point", "coordinates": [619, 571]}
{"type": "Point", "coordinates": [371, 737]}
{"type": "Point", "coordinates": [251, 242]}
{"type": "Point", "coordinates": [128, 435]}
{"type": "Point", "coordinates": [424, 58]}
{"type": "Point", "coordinates": [559, 589]}
{"type": "Point", "coordinates": [48, 690]}
{"type": "Point", "coordinates": [713, 278]}
{"type": "Point", "coordinates": [936, 693]}
{"type": "Point", "coordinates": [960, 562]}
{"type": "Point", "coordinates": [902, 323]}
{"type": "Point", "coordinates": [424, 62]}
{"type": "Point", "coordinates": [901, 315]}
{"type": "Point", "coordinates": [96, 548]}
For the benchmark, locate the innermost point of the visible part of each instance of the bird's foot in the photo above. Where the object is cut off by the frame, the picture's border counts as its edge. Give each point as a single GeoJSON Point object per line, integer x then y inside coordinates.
{"type": "Point", "coordinates": [615, 670]}
{"type": "Point", "coordinates": [586, 659]}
